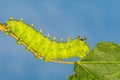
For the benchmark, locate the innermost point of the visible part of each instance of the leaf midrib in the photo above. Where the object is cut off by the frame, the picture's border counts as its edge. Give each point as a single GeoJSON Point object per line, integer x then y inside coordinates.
{"type": "Point", "coordinates": [99, 62]}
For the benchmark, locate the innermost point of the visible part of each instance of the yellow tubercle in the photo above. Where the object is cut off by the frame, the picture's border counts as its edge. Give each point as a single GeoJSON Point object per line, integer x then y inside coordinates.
{"type": "Point", "coordinates": [21, 19]}
{"type": "Point", "coordinates": [11, 18]}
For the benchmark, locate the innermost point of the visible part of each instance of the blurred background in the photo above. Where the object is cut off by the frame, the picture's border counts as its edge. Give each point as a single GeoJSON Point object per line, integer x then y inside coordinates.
{"type": "Point", "coordinates": [98, 20]}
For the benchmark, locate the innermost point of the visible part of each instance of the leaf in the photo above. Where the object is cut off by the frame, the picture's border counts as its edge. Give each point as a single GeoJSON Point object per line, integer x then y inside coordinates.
{"type": "Point", "coordinates": [101, 63]}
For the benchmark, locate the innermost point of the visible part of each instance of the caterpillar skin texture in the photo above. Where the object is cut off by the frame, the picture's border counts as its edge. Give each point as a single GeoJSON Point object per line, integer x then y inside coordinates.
{"type": "Point", "coordinates": [42, 45]}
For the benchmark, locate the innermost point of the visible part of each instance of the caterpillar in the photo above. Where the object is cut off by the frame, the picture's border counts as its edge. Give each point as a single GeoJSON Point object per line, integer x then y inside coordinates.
{"type": "Point", "coordinates": [42, 46]}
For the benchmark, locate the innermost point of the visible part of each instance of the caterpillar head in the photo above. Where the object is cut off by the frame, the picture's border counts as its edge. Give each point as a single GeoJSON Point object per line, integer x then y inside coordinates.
{"type": "Point", "coordinates": [12, 24]}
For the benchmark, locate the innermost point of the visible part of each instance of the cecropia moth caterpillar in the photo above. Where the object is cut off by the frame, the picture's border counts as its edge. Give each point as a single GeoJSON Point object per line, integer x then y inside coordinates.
{"type": "Point", "coordinates": [41, 46]}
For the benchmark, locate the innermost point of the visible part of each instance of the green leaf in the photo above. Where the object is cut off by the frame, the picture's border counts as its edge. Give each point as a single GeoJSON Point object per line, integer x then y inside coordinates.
{"type": "Point", "coordinates": [101, 63]}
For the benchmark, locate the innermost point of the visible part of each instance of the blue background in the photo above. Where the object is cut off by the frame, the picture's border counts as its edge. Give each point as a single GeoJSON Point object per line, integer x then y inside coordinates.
{"type": "Point", "coordinates": [98, 20]}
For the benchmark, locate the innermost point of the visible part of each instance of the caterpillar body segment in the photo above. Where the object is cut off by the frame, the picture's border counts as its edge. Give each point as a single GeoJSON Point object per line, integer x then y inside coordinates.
{"type": "Point", "coordinates": [41, 45]}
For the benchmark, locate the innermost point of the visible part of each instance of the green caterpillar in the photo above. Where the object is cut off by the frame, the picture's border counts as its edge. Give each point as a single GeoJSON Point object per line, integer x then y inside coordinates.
{"type": "Point", "coordinates": [42, 45]}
